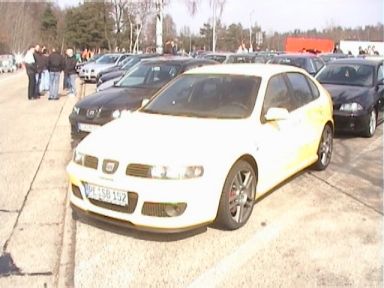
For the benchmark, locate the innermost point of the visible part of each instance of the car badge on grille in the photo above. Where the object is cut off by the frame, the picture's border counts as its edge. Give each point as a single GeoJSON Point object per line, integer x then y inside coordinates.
{"type": "Point", "coordinates": [91, 113]}
{"type": "Point", "coordinates": [110, 166]}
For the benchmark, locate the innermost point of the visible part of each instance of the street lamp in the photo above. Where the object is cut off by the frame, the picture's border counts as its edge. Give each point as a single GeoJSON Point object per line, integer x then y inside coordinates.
{"type": "Point", "coordinates": [250, 31]}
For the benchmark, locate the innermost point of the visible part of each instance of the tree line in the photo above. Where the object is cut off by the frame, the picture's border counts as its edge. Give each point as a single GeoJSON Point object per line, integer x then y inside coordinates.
{"type": "Point", "coordinates": [129, 25]}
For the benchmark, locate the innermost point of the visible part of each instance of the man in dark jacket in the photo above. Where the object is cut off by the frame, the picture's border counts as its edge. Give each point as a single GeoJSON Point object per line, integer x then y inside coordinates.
{"type": "Point", "coordinates": [70, 70]}
{"type": "Point", "coordinates": [55, 66]}
{"type": "Point", "coordinates": [39, 68]}
{"type": "Point", "coordinates": [30, 67]}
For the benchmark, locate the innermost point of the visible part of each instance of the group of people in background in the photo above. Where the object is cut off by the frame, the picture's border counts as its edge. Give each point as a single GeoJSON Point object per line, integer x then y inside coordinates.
{"type": "Point", "coordinates": [44, 68]}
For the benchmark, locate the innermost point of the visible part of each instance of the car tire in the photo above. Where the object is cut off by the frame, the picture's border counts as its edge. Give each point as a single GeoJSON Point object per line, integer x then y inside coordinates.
{"type": "Point", "coordinates": [324, 151]}
{"type": "Point", "coordinates": [371, 125]}
{"type": "Point", "coordinates": [238, 197]}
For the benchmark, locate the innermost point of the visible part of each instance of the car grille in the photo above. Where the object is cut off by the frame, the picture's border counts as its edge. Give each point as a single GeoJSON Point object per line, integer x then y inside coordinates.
{"type": "Point", "coordinates": [82, 112]}
{"type": "Point", "coordinates": [105, 113]}
{"type": "Point", "coordinates": [132, 203]}
{"type": "Point", "coordinates": [154, 209]}
{"type": "Point", "coordinates": [91, 162]}
{"type": "Point", "coordinates": [138, 170]}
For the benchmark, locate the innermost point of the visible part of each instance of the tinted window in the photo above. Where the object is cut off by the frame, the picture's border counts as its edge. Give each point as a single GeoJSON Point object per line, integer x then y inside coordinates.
{"type": "Point", "coordinates": [347, 74]}
{"type": "Point", "coordinates": [318, 64]}
{"type": "Point", "coordinates": [300, 87]}
{"type": "Point", "coordinates": [314, 89]}
{"type": "Point", "coordinates": [380, 73]}
{"type": "Point", "coordinates": [277, 95]}
{"type": "Point", "coordinates": [145, 75]}
{"type": "Point", "coordinates": [207, 96]}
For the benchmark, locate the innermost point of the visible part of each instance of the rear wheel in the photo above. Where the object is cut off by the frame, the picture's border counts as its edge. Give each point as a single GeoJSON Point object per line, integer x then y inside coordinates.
{"type": "Point", "coordinates": [238, 196]}
{"type": "Point", "coordinates": [371, 126]}
{"type": "Point", "coordinates": [324, 152]}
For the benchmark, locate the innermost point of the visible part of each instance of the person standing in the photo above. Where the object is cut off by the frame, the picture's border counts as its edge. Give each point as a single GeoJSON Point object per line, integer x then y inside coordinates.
{"type": "Point", "coordinates": [39, 68]}
{"type": "Point", "coordinates": [44, 81]}
{"type": "Point", "coordinates": [30, 67]}
{"type": "Point", "coordinates": [70, 70]}
{"type": "Point", "coordinates": [55, 66]}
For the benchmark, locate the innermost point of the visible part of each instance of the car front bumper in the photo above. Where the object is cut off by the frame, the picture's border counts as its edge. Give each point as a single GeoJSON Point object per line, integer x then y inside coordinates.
{"type": "Point", "coordinates": [350, 122]}
{"type": "Point", "coordinates": [200, 196]}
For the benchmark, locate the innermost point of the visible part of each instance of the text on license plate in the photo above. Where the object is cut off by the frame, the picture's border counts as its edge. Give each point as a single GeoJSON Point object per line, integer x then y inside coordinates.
{"type": "Point", "coordinates": [87, 127]}
{"type": "Point", "coordinates": [105, 194]}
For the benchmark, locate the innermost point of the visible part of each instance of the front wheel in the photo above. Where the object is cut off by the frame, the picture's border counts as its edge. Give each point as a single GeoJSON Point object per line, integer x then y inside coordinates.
{"type": "Point", "coordinates": [324, 152]}
{"type": "Point", "coordinates": [371, 126]}
{"type": "Point", "coordinates": [238, 197]}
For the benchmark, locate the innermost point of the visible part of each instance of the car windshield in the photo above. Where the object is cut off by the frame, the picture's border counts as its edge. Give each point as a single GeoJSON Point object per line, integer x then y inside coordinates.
{"type": "Point", "coordinates": [107, 59]}
{"type": "Point", "coordinates": [240, 59]}
{"type": "Point", "coordinates": [218, 58]}
{"type": "Point", "coordinates": [347, 74]}
{"type": "Point", "coordinates": [207, 96]}
{"type": "Point", "coordinates": [293, 61]}
{"type": "Point", "coordinates": [149, 75]}
{"type": "Point", "coordinates": [130, 62]}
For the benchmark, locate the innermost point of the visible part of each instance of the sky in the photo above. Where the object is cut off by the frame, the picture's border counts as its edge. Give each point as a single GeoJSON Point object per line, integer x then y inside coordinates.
{"type": "Point", "coordinates": [278, 15]}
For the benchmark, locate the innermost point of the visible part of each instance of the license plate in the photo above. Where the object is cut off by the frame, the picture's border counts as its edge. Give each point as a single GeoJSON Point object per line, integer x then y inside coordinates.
{"type": "Point", "coordinates": [87, 127]}
{"type": "Point", "coordinates": [106, 194]}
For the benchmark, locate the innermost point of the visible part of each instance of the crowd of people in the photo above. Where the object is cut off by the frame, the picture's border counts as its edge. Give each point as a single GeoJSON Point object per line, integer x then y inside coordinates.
{"type": "Point", "coordinates": [44, 68]}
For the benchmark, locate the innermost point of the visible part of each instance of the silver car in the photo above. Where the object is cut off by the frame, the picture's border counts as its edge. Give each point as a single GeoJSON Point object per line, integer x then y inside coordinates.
{"type": "Point", "coordinates": [89, 71]}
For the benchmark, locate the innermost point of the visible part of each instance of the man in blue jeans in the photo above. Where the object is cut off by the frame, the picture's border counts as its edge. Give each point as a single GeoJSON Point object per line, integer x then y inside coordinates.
{"type": "Point", "coordinates": [70, 70]}
{"type": "Point", "coordinates": [55, 66]}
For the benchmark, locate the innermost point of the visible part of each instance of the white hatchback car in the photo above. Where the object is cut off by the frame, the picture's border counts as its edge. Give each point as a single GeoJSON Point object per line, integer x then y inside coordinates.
{"type": "Point", "coordinates": [204, 148]}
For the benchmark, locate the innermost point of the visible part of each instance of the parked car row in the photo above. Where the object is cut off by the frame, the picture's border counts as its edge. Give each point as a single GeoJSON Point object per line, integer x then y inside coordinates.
{"type": "Point", "coordinates": [7, 63]}
{"type": "Point", "coordinates": [185, 142]}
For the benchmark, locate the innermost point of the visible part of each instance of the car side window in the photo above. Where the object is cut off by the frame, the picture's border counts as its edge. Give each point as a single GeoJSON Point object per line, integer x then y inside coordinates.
{"type": "Point", "coordinates": [315, 90]}
{"type": "Point", "coordinates": [318, 64]}
{"type": "Point", "coordinates": [277, 95]}
{"type": "Point", "coordinates": [380, 73]}
{"type": "Point", "coordinates": [300, 87]}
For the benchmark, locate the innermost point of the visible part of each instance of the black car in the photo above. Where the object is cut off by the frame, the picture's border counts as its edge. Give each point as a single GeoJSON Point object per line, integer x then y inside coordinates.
{"type": "Point", "coordinates": [118, 71]}
{"type": "Point", "coordinates": [140, 83]}
{"type": "Point", "coordinates": [307, 61]}
{"type": "Point", "coordinates": [357, 90]}
{"type": "Point", "coordinates": [327, 57]}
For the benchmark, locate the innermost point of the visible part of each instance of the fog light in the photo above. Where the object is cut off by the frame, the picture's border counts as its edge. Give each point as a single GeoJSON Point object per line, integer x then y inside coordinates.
{"type": "Point", "coordinates": [173, 210]}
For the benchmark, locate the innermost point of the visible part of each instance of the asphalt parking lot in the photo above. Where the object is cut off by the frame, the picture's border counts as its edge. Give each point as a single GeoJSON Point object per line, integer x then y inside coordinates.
{"type": "Point", "coordinates": [317, 229]}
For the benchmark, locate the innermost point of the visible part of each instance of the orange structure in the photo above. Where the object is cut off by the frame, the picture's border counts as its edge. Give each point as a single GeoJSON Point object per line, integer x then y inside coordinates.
{"type": "Point", "coordinates": [302, 44]}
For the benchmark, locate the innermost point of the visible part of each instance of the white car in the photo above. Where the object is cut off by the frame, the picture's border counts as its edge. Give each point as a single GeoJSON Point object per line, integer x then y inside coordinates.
{"type": "Point", "coordinates": [204, 148]}
{"type": "Point", "coordinates": [89, 71]}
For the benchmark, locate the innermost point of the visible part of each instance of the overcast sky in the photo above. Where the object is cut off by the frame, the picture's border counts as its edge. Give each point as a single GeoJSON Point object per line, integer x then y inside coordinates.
{"type": "Point", "coordinates": [279, 15]}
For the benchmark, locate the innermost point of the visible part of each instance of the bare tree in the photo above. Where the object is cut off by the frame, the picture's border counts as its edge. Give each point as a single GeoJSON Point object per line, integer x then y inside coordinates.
{"type": "Point", "coordinates": [217, 10]}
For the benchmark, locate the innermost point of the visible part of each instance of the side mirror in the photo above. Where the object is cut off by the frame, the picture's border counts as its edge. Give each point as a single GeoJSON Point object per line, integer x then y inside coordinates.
{"type": "Point", "coordinates": [115, 82]}
{"type": "Point", "coordinates": [274, 114]}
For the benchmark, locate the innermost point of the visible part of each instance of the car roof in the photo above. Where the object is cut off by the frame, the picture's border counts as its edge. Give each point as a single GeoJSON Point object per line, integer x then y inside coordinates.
{"type": "Point", "coordinates": [253, 69]}
{"type": "Point", "coordinates": [366, 61]}
{"type": "Point", "coordinates": [296, 55]}
{"type": "Point", "coordinates": [180, 60]}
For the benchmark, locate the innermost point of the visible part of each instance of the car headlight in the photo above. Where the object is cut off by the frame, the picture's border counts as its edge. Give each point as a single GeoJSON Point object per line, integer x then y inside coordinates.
{"type": "Point", "coordinates": [118, 113]}
{"type": "Point", "coordinates": [78, 157]}
{"type": "Point", "coordinates": [351, 107]}
{"type": "Point", "coordinates": [76, 110]}
{"type": "Point", "coordinates": [170, 172]}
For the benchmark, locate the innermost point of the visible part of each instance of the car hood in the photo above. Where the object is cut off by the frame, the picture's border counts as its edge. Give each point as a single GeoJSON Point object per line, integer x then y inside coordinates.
{"type": "Point", "coordinates": [165, 140]}
{"type": "Point", "coordinates": [348, 94]}
{"type": "Point", "coordinates": [116, 98]}
{"type": "Point", "coordinates": [112, 75]}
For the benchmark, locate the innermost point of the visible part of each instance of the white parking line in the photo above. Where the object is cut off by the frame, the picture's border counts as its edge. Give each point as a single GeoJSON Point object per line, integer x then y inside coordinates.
{"type": "Point", "coordinates": [233, 262]}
